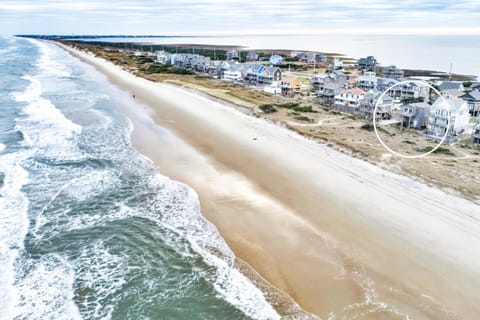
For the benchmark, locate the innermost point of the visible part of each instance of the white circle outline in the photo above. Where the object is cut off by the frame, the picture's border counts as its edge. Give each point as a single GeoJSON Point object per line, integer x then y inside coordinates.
{"type": "Point", "coordinates": [375, 126]}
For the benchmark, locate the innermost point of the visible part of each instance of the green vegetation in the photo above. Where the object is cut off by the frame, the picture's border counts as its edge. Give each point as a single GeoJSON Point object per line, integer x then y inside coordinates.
{"type": "Point", "coordinates": [367, 126]}
{"type": "Point", "coordinates": [440, 150]}
{"type": "Point", "coordinates": [303, 118]}
{"type": "Point", "coordinates": [467, 84]}
{"type": "Point", "coordinates": [161, 68]}
{"type": "Point", "coordinates": [304, 109]}
{"type": "Point", "coordinates": [288, 105]}
{"type": "Point", "coordinates": [267, 108]}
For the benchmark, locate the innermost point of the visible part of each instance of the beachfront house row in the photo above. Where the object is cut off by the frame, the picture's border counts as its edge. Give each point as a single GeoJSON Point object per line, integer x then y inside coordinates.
{"type": "Point", "coordinates": [366, 106]}
{"type": "Point", "coordinates": [414, 115]}
{"type": "Point", "coordinates": [252, 56]}
{"type": "Point", "coordinates": [444, 111]}
{"type": "Point", "coordinates": [348, 100]}
{"type": "Point", "coordinates": [472, 98]}
{"type": "Point", "coordinates": [275, 59]}
{"type": "Point", "coordinates": [392, 72]}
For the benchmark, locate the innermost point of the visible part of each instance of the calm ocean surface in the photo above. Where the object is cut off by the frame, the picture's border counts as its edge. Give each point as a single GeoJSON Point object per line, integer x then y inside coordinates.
{"type": "Point", "coordinates": [434, 52]}
{"type": "Point", "coordinates": [88, 229]}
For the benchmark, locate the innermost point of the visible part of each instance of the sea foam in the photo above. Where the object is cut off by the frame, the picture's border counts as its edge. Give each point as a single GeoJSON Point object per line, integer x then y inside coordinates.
{"type": "Point", "coordinates": [14, 226]}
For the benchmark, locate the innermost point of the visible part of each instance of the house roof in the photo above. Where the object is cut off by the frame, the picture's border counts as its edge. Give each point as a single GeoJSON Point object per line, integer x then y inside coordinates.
{"type": "Point", "coordinates": [271, 69]}
{"type": "Point", "coordinates": [446, 85]}
{"type": "Point", "coordinates": [292, 80]}
{"type": "Point", "coordinates": [355, 91]}
{"type": "Point", "coordinates": [419, 105]}
{"type": "Point", "coordinates": [452, 92]}
{"type": "Point", "coordinates": [453, 105]}
{"type": "Point", "coordinates": [256, 67]}
{"type": "Point", "coordinates": [474, 94]}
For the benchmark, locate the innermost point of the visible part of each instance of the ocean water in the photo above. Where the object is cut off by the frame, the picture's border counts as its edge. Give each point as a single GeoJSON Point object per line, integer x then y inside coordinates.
{"type": "Point", "coordinates": [88, 228]}
{"type": "Point", "coordinates": [431, 52]}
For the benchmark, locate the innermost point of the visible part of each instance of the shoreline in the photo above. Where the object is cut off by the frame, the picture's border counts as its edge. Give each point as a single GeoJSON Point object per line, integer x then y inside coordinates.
{"type": "Point", "coordinates": [346, 135]}
{"type": "Point", "coordinates": [258, 171]}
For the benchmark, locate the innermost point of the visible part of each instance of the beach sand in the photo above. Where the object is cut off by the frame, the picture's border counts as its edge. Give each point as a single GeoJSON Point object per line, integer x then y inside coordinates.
{"type": "Point", "coordinates": [343, 238]}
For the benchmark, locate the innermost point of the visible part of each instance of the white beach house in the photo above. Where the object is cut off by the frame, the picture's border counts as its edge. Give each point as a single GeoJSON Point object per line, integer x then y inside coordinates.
{"type": "Point", "coordinates": [443, 111]}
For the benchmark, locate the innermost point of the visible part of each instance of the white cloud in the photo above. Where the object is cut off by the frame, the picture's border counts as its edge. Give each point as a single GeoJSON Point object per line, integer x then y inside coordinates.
{"type": "Point", "coordinates": [269, 16]}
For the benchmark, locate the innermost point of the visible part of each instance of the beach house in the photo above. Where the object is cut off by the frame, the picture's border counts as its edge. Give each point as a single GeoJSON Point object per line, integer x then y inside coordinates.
{"type": "Point", "coordinates": [254, 73]}
{"type": "Point", "coordinates": [235, 72]}
{"type": "Point", "coordinates": [369, 64]}
{"type": "Point", "coordinates": [367, 81]}
{"type": "Point", "coordinates": [366, 105]}
{"type": "Point", "coordinates": [270, 74]}
{"type": "Point", "coordinates": [476, 135]}
{"type": "Point", "coordinates": [472, 98]}
{"type": "Point", "coordinates": [252, 56]}
{"type": "Point", "coordinates": [348, 100]}
{"type": "Point", "coordinates": [444, 112]}
{"type": "Point", "coordinates": [384, 83]}
{"type": "Point", "coordinates": [275, 59]}
{"type": "Point", "coordinates": [232, 55]}
{"type": "Point", "coordinates": [449, 85]}
{"type": "Point", "coordinates": [414, 115]}
{"type": "Point", "coordinates": [411, 91]}
{"type": "Point", "coordinates": [314, 57]}
{"type": "Point", "coordinates": [163, 57]}
{"type": "Point", "coordinates": [337, 64]}
{"type": "Point", "coordinates": [392, 72]}
{"type": "Point", "coordinates": [290, 86]}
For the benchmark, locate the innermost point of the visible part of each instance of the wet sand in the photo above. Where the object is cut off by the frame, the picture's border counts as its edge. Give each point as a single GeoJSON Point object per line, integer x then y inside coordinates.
{"type": "Point", "coordinates": [342, 237]}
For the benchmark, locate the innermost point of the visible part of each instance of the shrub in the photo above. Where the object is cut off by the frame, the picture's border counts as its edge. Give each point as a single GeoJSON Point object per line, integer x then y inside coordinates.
{"type": "Point", "coordinates": [303, 118]}
{"type": "Point", "coordinates": [303, 109]}
{"type": "Point", "coordinates": [440, 150]}
{"type": "Point", "coordinates": [367, 126]}
{"type": "Point", "coordinates": [267, 108]}
{"type": "Point", "coordinates": [288, 105]}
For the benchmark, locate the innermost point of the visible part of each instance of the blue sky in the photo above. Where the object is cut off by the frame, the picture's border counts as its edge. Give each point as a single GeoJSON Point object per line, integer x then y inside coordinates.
{"type": "Point", "coordinates": [239, 17]}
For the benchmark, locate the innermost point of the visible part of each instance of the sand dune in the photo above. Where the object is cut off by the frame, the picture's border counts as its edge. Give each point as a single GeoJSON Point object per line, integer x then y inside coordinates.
{"type": "Point", "coordinates": [342, 237]}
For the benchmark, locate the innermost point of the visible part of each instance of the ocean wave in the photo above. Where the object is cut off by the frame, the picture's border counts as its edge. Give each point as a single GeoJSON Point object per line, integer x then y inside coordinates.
{"type": "Point", "coordinates": [44, 125]}
{"type": "Point", "coordinates": [13, 227]}
{"type": "Point", "coordinates": [183, 216]}
{"type": "Point", "coordinates": [47, 62]}
{"type": "Point", "coordinates": [45, 289]}
{"type": "Point", "coordinates": [101, 274]}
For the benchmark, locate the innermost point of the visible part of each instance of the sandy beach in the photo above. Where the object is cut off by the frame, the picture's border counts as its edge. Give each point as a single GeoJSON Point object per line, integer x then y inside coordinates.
{"type": "Point", "coordinates": [342, 237]}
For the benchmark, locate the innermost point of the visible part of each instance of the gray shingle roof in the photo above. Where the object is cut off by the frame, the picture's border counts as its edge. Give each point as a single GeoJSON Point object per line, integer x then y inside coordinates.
{"type": "Point", "coordinates": [447, 85]}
